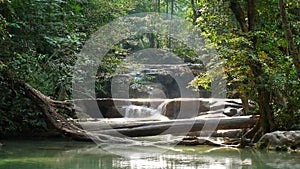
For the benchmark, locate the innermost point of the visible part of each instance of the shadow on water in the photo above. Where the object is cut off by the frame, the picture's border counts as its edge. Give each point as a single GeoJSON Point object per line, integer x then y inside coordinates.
{"type": "Point", "coordinates": [77, 155]}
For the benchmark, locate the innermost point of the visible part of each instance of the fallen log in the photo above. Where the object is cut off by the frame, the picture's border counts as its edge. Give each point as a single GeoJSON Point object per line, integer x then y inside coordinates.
{"type": "Point", "coordinates": [50, 108]}
{"type": "Point", "coordinates": [133, 128]}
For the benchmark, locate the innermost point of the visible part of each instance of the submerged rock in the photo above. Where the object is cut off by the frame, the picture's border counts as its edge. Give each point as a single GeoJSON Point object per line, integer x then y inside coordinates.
{"type": "Point", "coordinates": [193, 141]}
{"type": "Point", "coordinates": [280, 140]}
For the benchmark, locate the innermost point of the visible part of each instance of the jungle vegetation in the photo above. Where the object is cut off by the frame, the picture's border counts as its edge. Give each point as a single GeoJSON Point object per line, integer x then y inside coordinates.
{"type": "Point", "coordinates": [258, 42]}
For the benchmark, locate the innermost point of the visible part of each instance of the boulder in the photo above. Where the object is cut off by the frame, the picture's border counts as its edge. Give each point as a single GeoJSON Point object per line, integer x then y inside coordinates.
{"type": "Point", "coordinates": [280, 140]}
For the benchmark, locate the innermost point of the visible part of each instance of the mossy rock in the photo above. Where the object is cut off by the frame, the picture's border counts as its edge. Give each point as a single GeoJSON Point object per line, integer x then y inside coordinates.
{"type": "Point", "coordinates": [280, 141]}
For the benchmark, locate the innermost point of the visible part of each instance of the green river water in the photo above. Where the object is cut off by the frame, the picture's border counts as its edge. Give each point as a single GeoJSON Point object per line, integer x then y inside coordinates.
{"type": "Point", "coordinates": [57, 154]}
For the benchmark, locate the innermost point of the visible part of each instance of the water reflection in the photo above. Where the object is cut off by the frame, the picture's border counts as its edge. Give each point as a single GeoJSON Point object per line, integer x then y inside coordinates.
{"type": "Point", "coordinates": [75, 155]}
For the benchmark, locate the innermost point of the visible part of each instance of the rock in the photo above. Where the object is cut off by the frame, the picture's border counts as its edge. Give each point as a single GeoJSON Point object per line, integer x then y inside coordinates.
{"type": "Point", "coordinates": [189, 141]}
{"type": "Point", "coordinates": [171, 108]}
{"type": "Point", "coordinates": [193, 141]}
{"type": "Point", "coordinates": [280, 140]}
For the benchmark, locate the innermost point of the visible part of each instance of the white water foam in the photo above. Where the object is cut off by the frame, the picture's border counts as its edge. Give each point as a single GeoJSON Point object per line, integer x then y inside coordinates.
{"type": "Point", "coordinates": [144, 112]}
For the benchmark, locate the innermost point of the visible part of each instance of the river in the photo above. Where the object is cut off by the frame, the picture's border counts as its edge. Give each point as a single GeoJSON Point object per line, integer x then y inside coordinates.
{"type": "Point", "coordinates": [60, 154]}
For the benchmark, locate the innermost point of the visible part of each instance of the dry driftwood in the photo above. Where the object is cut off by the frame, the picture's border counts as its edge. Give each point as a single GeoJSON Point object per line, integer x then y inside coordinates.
{"type": "Point", "coordinates": [137, 128]}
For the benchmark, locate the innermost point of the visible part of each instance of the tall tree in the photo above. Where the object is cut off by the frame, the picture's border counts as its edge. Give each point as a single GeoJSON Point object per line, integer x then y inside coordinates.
{"type": "Point", "coordinates": [250, 40]}
{"type": "Point", "coordinates": [266, 122]}
{"type": "Point", "coordinates": [289, 36]}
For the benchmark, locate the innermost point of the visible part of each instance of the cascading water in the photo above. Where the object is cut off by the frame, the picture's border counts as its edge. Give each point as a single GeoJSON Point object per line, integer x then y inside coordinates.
{"type": "Point", "coordinates": [144, 112]}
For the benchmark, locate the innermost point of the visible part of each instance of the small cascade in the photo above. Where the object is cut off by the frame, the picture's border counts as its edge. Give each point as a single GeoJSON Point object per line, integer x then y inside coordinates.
{"type": "Point", "coordinates": [144, 112]}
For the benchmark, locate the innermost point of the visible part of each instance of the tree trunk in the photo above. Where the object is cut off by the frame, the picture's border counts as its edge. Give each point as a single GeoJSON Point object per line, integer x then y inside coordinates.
{"type": "Point", "coordinates": [137, 128]}
{"type": "Point", "coordinates": [172, 7]}
{"type": "Point", "coordinates": [244, 98]}
{"type": "Point", "coordinates": [49, 107]}
{"type": "Point", "coordinates": [158, 6]}
{"type": "Point", "coordinates": [195, 15]}
{"type": "Point", "coordinates": [265, 123]}
{"type": "Point", "coordinates": [251, 14]}
{"type": "Point", "coordinates": [235, 6]}
{"type": "Point", "coordinates": [289, 36]}
{"type": "Point", "coordinates": [167, 6]}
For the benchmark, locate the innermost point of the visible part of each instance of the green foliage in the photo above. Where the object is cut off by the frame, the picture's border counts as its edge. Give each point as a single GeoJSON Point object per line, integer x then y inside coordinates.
{"type": "Point", "coordinates": [240, 55]}
{"type": "Point", "coordinates": [39, 43]}
{"type": "Point", "coordinates": [203, 80]}
{"type": "Point", "coordinates": [18, 114]}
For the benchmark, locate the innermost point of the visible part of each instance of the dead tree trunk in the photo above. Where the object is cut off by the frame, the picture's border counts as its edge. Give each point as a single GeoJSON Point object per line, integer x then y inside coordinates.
{"type": "Point", "coordinates": [49, 107]}
{"type": "Point", "coordinates": [178, 126]}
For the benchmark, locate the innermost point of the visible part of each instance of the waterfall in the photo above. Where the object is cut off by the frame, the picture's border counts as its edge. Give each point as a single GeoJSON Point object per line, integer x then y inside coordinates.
{"type": "Point", "coordinates": [144, 112]}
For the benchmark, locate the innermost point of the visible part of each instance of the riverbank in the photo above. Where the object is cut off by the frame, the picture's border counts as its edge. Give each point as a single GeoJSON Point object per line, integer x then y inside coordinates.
{"type": "Point", "coordinates": [276, 141]}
